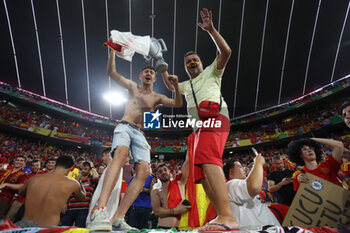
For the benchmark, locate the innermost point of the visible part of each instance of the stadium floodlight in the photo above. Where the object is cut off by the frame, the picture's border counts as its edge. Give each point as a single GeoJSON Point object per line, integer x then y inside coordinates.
{"type": "Point", "coordinates": [115, 98]}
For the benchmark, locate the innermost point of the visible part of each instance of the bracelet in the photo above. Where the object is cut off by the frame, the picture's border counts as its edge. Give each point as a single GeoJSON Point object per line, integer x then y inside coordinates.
{"type": "Point", "coordinates": [172, 211]}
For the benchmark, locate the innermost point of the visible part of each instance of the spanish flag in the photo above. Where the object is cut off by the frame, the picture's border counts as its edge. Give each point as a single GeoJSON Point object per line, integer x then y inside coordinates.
{"type": "Point", "coordinates": [201, 210]}
{"type": "Point", "coordinates": [174, 194]}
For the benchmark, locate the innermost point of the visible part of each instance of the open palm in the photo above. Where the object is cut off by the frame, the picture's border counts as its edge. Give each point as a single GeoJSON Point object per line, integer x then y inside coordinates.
{"type": "Point", "coordinates": [207, 23]}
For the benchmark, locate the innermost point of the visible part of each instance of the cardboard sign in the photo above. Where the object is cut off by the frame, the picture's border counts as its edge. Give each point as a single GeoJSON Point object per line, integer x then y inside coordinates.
{"type": "Point", "coordinates": [319, 203]}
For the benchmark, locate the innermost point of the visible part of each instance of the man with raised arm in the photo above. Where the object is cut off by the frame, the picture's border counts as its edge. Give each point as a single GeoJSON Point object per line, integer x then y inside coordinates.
{"type": "Point", "coordinates": [203, 91]}
{"type": "Point", "coordinates": [248, 207]}
{"type": "Point", "coordinates": [129, 137]}
{"type": "Point", "coordinates": [307, 152]}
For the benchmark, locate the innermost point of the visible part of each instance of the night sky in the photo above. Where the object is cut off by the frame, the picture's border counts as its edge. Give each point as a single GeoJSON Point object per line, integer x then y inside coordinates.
{"type": "Point", "coordinates": [281, 49]}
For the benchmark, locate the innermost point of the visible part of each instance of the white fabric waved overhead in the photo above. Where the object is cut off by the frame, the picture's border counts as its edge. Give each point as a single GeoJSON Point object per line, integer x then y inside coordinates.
{"type": "Point", "coordinates": [131, 44]}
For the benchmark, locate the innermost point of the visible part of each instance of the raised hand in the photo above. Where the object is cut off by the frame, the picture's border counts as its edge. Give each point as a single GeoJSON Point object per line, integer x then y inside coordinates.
{"type": "Point", "coordinates": [259, 159]}
{"type": "Point", "coordinates": [173, 79]}
{"type": "Point", "coordinates": [207, 19]}
{"type": "Point", "coordinates": [302, 178]}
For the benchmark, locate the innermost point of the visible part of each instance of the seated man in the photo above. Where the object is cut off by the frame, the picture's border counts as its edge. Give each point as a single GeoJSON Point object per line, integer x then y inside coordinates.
{"type": "Point", "coordinates": [247, 206]}
{"type": "Point", "coordinates": [47, 194]}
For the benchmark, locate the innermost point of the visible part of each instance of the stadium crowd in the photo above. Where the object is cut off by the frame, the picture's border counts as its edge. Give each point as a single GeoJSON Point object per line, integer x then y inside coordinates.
{"type": "Point", "coordinates": [24, 158]}
{"type": "Point", "coordinates": [12, 112]}
{"type": "Point", "coordinates": [279, 168]}
{"type": "Point", "coordinates": [314, 118]}
{"type": "Point", "coordinates": [26, 94]}
{"type": "Point", "coordinates": [295, 124]}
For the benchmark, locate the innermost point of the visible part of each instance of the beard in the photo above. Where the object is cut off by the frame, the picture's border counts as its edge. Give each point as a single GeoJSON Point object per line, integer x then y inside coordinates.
{"type": "Point", "coordinates": [164, 179]}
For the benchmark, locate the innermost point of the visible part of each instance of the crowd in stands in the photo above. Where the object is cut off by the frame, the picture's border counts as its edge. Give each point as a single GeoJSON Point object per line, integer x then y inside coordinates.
{"type": "Point", "coordinates": [12, 112]}
{"type": "Point", "coordinates": [265, 113]}
{"type": "Point", "coordinates": [157, 141]}
{"type": "Point", "coordinates": [21, 159]}
{"type": "Point", "coordinates": [24, 93]}
{"type": "Point", "coordinates": [314, 118]}
{"type": "Point", "coordinates": [297, 123]}
{"type": "Point", "coordinates": [284, 107]}
{"type": "Point", "coordinates": [11, 148]}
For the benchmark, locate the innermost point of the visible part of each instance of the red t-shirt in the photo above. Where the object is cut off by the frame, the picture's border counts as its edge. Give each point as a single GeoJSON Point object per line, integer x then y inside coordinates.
{"type": "Point", "coordinates": [327, 170]}
{"type": "Point", "coordinates": [13, 178]}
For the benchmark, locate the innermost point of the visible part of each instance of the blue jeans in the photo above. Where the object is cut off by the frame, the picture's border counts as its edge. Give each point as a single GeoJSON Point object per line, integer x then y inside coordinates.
{"type": "Point", "coordinates": [76, 217]}
{"type": "Point", "coordinates": [133, 138]}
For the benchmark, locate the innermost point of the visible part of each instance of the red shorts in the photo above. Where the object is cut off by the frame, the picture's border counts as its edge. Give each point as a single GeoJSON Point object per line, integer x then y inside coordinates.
{"type": "Point", "coordinates": [209, 145]}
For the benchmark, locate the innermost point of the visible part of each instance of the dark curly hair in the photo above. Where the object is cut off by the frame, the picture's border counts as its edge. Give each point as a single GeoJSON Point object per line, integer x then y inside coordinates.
{"type": "Point", "coordinates": [294, 150]}
{"type": "Point", "coordinates": [344, 105]}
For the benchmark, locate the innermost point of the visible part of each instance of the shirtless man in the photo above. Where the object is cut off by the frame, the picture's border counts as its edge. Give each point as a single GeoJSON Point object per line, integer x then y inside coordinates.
{"type": "Point", "coordinates": [128, 135]}
{"type": "Point", "coordinates": [47, 194]}
{"type": "Point", "coordinates": [159, 197]}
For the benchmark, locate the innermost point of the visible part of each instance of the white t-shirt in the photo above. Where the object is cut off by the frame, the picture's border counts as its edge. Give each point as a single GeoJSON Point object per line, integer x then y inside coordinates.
{"type": "Point", "coordinates": [248, 211]}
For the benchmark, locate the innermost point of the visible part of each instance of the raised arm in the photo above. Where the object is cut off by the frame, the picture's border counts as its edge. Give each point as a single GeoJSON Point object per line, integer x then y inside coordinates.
{"type": "Point", "coordinates": [221, 45]}
{"type": "Point", "coordinates": [255, 178]}
{"type": "Point", "coordinates": [95, 175]}
{"type": "Point", "coordinates": [79, 192]}
{"type": "Point", "coordinates": [11, 186]}
{"type": "Point", "coordinates": [337, 147]}
{"type": "Point", "coordinates": [177, 102]}
{"type": "Point", "coordinates": [112, 72]}
{"type": "Point", "coordinates": [165, 76]}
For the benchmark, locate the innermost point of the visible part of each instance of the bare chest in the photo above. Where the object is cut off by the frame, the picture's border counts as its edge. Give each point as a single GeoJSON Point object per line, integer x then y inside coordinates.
{"type": "Point", "coordinates": [147, 101]}
{"type": "Point", "coordinates": [163, 196]}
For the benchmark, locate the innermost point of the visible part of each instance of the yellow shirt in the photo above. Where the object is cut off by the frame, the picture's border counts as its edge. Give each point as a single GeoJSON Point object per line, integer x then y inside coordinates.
{"type": "Point", "coordinates": [207, 86]}
{"type": "Point", "coordinates": [73, 173]}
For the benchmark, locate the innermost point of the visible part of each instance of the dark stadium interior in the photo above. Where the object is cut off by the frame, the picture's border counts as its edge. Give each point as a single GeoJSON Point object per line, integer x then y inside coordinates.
{"type": "Point", "coordinates": [302, 43]}
{"type": "Point", "coordinates": [287, 78]}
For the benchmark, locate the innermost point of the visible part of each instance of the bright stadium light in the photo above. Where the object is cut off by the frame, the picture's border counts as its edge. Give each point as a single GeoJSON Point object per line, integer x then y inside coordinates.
{"type": "Point", "coordinates": [115, 98]}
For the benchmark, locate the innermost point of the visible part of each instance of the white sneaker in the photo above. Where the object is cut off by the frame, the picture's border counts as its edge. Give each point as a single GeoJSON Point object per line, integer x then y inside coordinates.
{"type": "Point", "coordinates": [121, 225]}
{"type": "Point", "coordinates": [99, 221]}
